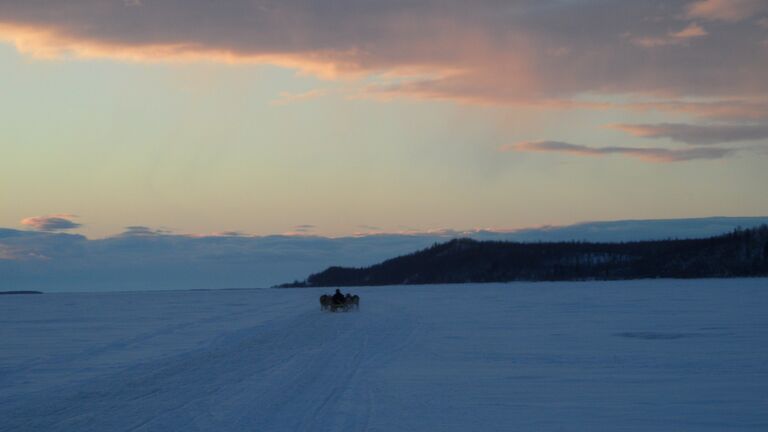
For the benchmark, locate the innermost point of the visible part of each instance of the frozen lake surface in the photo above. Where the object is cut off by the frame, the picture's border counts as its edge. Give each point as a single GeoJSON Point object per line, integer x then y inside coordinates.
{"type": "Point", "coordinates": [663, 355]}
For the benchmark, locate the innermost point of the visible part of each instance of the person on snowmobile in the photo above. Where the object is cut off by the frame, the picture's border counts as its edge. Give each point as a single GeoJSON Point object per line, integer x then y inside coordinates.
{"type": "Point", "coordinates": [338, 297]}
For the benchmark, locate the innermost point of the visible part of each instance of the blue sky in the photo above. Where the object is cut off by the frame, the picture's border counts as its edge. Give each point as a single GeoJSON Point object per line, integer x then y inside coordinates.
{"type": "Point", "coordinates": [267, 117]}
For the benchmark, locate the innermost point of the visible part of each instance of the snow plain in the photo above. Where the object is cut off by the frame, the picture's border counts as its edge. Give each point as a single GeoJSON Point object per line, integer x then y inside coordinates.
{"type": "Point", "coordinates": [662, 355]}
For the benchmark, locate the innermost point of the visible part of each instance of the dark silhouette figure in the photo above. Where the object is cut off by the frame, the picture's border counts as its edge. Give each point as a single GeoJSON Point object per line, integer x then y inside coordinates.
{"type": "Point", "coordinates": [338, 298]}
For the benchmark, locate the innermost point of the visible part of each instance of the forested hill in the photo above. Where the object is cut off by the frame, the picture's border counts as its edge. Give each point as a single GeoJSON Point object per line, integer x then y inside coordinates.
{"type": "Point", "coordinates": [739, 253]}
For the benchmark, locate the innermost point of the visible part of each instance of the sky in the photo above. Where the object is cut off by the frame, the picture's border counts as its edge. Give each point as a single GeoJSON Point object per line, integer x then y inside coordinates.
{"type": "Point", "coordinates": [349, 117]}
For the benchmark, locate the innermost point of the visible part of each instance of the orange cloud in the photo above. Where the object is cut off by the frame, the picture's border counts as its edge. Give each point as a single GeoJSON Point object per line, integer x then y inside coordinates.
{"type": "Point", "coordinates": [469, 52]}
{"type": "Point", "coordinates": [54, 222]}
{"type": "Point", "coordinates": [48, 44]}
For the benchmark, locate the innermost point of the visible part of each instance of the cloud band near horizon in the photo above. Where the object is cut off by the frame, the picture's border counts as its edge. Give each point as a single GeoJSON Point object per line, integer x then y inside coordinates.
{"type": "Point", "coordinates": [646, 154]}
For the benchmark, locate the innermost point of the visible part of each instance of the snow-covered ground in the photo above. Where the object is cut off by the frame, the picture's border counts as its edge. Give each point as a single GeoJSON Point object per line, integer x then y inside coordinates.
{"type": "Point", "coordinates": [593, 356]}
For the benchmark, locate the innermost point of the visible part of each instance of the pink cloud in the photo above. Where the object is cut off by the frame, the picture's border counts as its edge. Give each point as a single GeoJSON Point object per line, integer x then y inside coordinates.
{"type": "Point", "coordinates": [698, 134]}
{"type": "Point", "coordinates": [56, 222]}
{"type": "Point", "coordinates": [680, 37]}
{"type": "Point", "coordinates": [647, 154]}
{"type": "Point", "coordinates": [725, 10]}
{"type": "Point", "coordinates": [692, 31]}
{"type": "Point", "coordinates": [484, 51]}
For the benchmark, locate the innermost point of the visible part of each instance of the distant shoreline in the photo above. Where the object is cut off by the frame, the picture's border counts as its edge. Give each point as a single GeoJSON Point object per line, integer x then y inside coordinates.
{"type": "Point", "coordinates": [741, 253]}
{"type": "Point", "coordinates": [19, 292]}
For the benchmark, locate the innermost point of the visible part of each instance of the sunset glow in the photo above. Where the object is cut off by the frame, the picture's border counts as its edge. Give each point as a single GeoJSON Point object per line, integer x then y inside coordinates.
{"type": "Point", "coordinates": [260, 117]}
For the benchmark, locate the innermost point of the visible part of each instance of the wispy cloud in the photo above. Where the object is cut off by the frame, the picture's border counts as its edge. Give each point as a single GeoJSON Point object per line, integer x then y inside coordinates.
{"type": "Point", "coordinates": [728, 109]}
{"type": "Point", "coordinates": [143, 231]}
{"type": "Point", "coordinates": [647, 154]}
{"type": "Point", "coordinates": [55, 222]}
{"type": "Point", "coordinates": [680, 37]}
{"type": "Point", "coordinates": [301, 230]}
{"type": "Point", "coordinates": [483, 51]}
{"type": "Point", "coordinates": [725, 10]}
{"type": "Point", "coordinates": [698, 134]}
{"type": "Point", "coordinates": [731, 110]}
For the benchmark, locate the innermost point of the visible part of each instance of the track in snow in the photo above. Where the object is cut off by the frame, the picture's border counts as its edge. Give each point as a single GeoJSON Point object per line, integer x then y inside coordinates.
{"type": "Point", "coordinates": [304, 373]}
{"type": "Point", "coordinates": [619, 356]}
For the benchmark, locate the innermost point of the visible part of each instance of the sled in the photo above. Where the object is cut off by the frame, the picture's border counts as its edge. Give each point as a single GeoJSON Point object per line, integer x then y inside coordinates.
{"type": "Point", "coordinates": [340, 307]}
{"type": "Point", "coordinates": [326, 303]}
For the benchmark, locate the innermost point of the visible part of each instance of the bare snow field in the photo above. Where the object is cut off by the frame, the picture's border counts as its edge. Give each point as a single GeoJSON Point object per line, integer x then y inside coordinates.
{"type": "Point", "coordinates": [662, 355]}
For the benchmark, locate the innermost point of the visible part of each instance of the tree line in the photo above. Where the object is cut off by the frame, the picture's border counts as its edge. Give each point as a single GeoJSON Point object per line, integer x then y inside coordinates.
{"type": "Point", "coordinates": [743, 252]}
